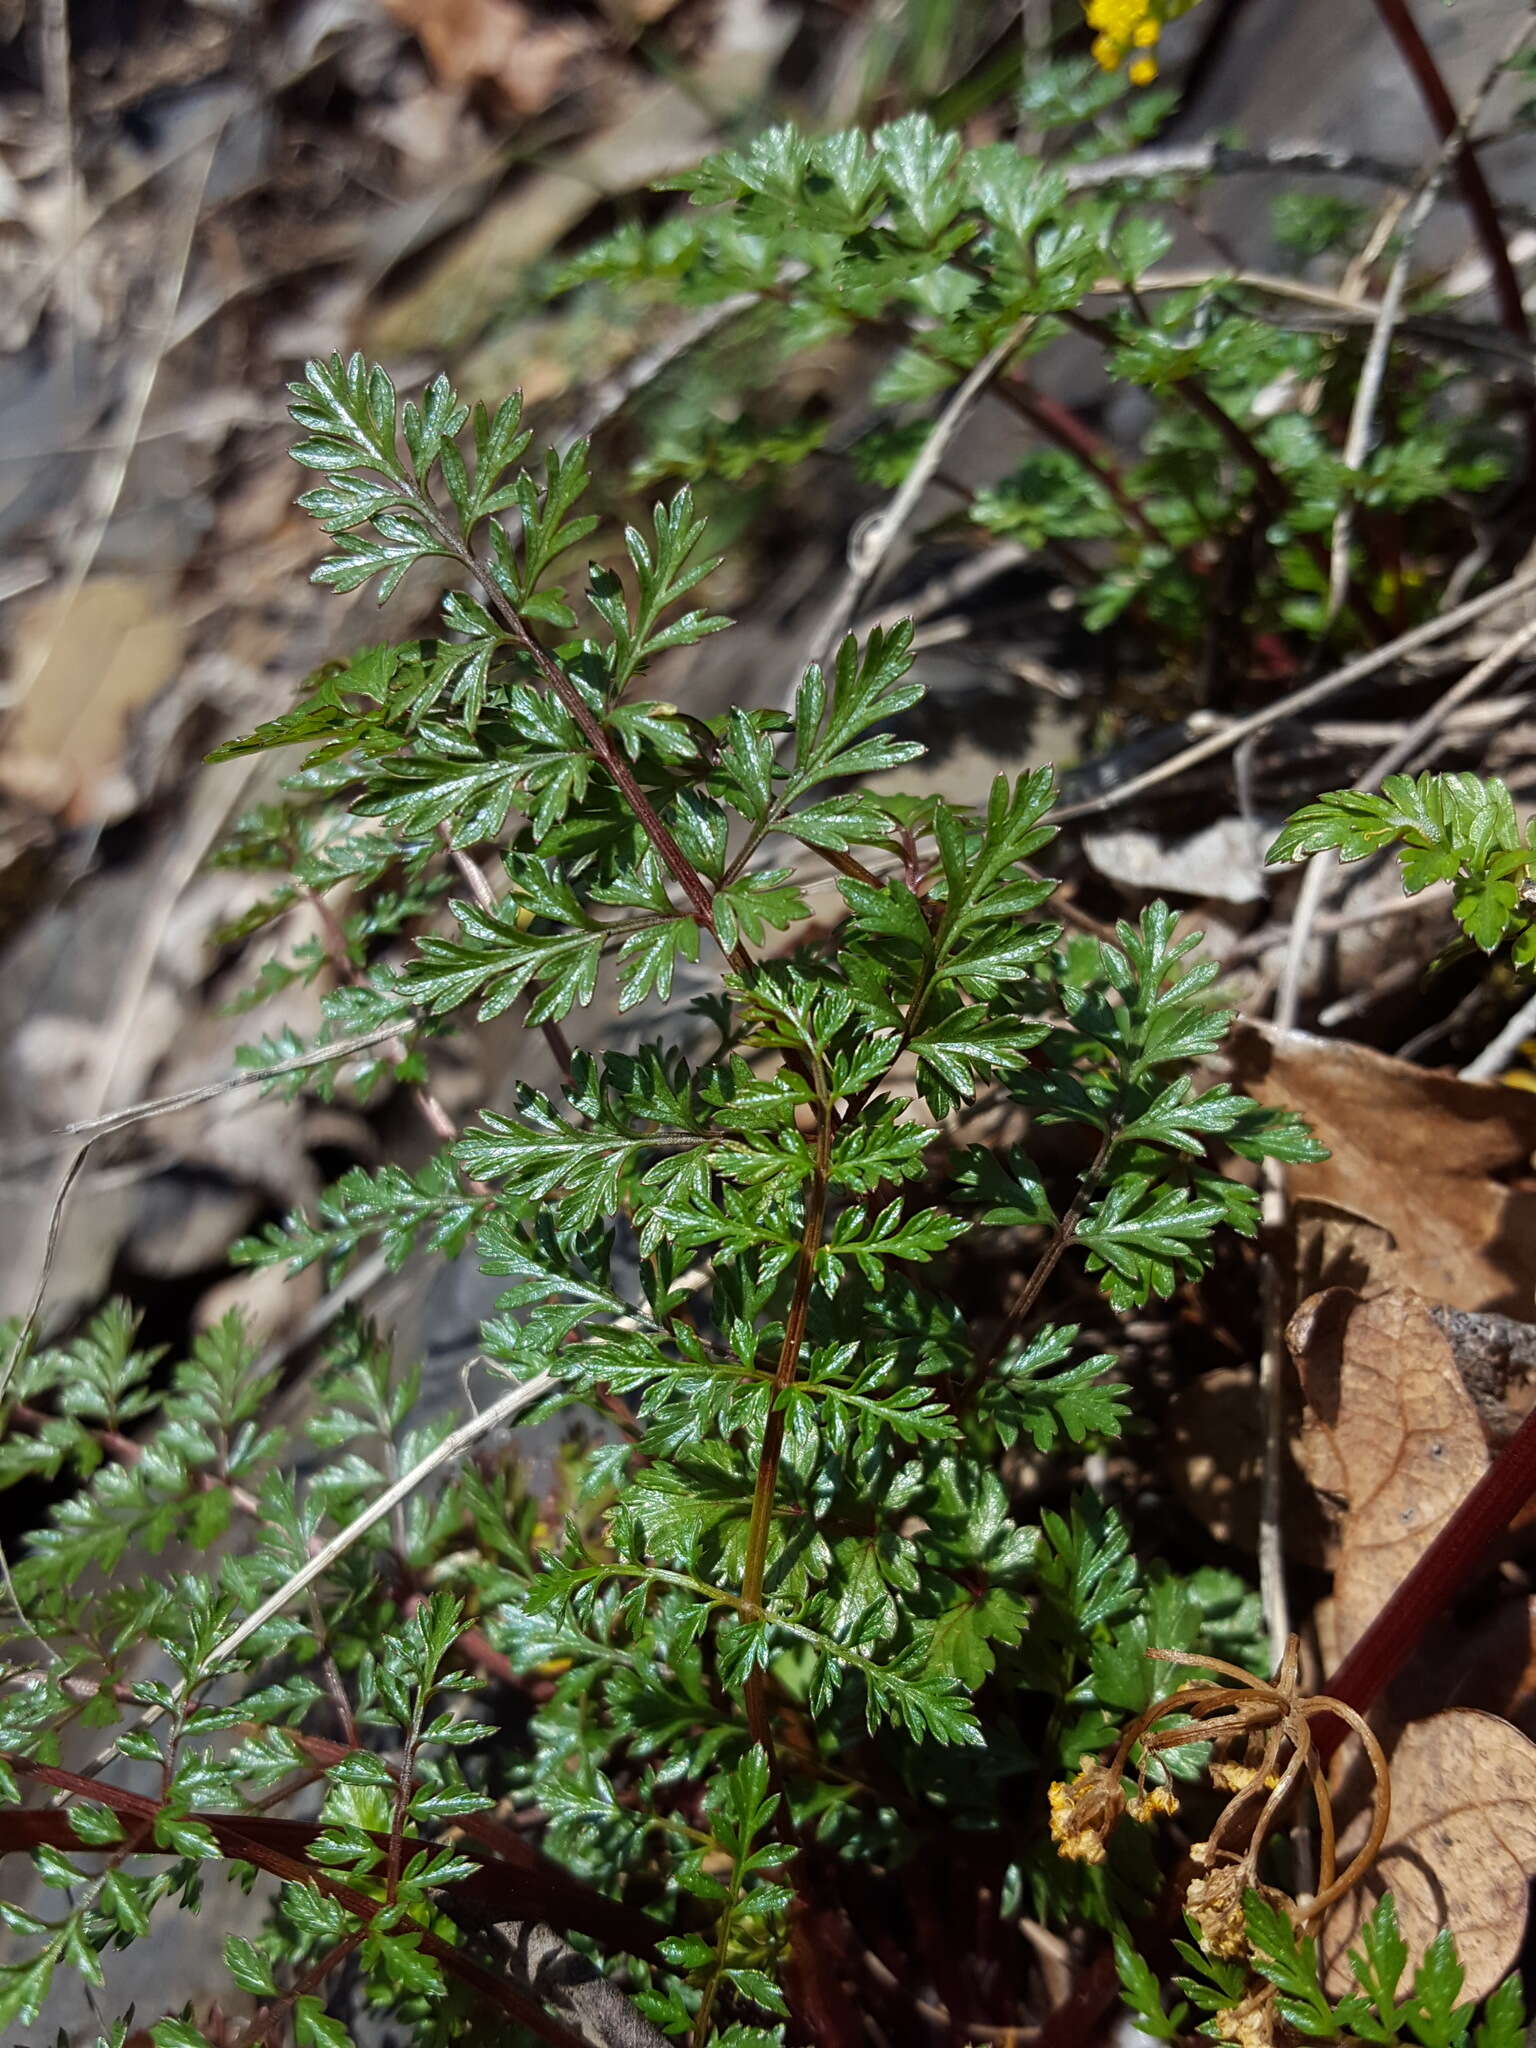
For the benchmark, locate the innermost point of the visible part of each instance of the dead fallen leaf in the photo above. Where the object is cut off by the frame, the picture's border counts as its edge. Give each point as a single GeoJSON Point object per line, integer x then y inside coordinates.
{"type": "Point", "coordinates": [1425, 1157]}
{"type": "Point", "coordinates": [94, 656]}
{"type": "Point", "coordinates": [1490, 1665]}
{"type": "Point", "coordinates": [1224, 862]}
{"type": "Point", "coordinates": [1460, 1849]}
{"type": "Point", "coordinates": [453, 294]}
{"type": "Point", "coordinates": [499, 41]}
{"type": "Point", "coordinates": [1335, 1248]}
{"type": "Point", "coordinates": [1391, 1433]}
{"type": "Point", "coordinates": [650, 128]}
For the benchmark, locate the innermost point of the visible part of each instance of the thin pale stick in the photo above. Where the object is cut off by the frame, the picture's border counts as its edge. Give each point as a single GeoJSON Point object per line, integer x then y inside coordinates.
{"type": "Point", "coordinates": [1355, 671]}
{"type": "Point", "coordinates": [91, 1128]}
{"type": "Point", "coordinates": [512, 1404]}
{"type": "Point", "coordinates": [1319, 878]}
{"type": "Point", "coordinates": [1362, 418]}
{"type": "Point", "coordinates": [871, 550]}
{"type": "Point", "coordinates": [105, 484]}
{"type": "Point", "coordinates": [1497, 1054]}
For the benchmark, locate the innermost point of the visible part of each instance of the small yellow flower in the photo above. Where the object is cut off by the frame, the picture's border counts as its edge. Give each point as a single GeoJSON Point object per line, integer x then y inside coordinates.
{"type": "Point", "coordinates": [1150, 1804]}
{"type": "Point", "coordinates": [1232, 1777]}
{"type": "Point", "coordinates": [1238, 1777]}
{"type": "Point", "coordinates": [1084, 1813]}
{"type": "Point", "coordinates": [1122, 26]}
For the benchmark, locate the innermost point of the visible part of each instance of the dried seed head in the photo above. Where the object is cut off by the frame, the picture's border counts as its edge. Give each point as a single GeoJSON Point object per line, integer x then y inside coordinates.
{"type": "Point", "coordinates": [1238, 1777]}
{"type": "Point", "coordinates": [1251, 2024]}
{"type": "Point", "coordinates": [1215, 1904]}
{"type": "Point", "coordinates": [1148, 1805]}
{"type": "Point", "coordinates": [1084, 1813]}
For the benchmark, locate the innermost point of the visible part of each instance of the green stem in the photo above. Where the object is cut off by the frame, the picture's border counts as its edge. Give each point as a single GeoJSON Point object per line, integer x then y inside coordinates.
{"type": "Point", "coordinates": [711, 1985]}
{"type": "Point", "coordinates": [1050, 1258]}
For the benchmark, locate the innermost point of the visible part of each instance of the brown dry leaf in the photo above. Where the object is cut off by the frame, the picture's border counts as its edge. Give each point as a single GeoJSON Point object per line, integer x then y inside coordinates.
{"type": "Point", "coordinates": [1460, 1849]}
{"type": "Point", "coordinates": [649, 129]}
{"type": "Point", "coordinates": [457, 291]}
{"type": "Point", "coordinates": [95, 656]}
{"type": "Point", "coordinates": [1425, 1157]}
{"type": "Point", "coordinates": [465, 41]}
{"type": "Point", "coordinates": [1490, 1665]}
{"type": "Point", "coordinates": [1391, 1432]}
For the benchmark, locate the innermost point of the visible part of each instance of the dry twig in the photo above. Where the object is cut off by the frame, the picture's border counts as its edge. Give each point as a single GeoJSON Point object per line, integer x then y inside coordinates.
{"type": "Point", "coordinates": [1454, 149]}
{"type": "Point", "coordinates": [870, 547]}
{"type": "Point", "coordinates": [1355, 671]}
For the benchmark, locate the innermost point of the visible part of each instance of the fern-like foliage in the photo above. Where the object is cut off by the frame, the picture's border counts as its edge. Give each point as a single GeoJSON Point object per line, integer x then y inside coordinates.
{"type": "Point", "coordinates": [1460, 829]}
{"type": "Point", "coordinates": [936, 254]}
{"type": "Point", "coordinates": [744, 1242]}
{"type": "Point", "coordinates": [1427, 2012]}
{"type": "Point", "coordinates": [820, 1591]}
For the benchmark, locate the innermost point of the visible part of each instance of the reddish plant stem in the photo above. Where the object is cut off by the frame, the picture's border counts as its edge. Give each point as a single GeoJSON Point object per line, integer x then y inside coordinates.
{"type": "Point", "coordinates": [261, 2028]}
{"type": "Point", "coordinates": [1397, 19]}
{"type": "Point", "coordinates": [566, 1901]}
{"type": "Point", "coordinates": [693, 885]}
{"type": "Point", "coordinates": [128, 1451]}
{"type": "Point", "coordinates": [1271, 486]}
{"type": "Point", "coordinates": [513, 1881]}
{"type": "Point", "coordinates": [474, 1647]}
{"type": "Point", "coordinates": [700, 896]}
{"type": "Point", "coordinates": [772, 1450]}
{"type": "Point", "coordinates": [1057, 422]}
{"type": "Point", "coordinates": [1445, 1567]}
{"type": "Point", "coordinates": [253, 1842]}
{"type": "Point", "coordinates": [1061, 1238]}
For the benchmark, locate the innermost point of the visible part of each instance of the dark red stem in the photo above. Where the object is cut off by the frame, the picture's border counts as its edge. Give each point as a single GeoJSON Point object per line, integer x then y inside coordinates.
{"type": "Point", "coordinates": [1456, 1553]}
{"type": "Point", "coordinates": [1404, 30]}
{"type": "Point", "coordinates": [1058, 423]}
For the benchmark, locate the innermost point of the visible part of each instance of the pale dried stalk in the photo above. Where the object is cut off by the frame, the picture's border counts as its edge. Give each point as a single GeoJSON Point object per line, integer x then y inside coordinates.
{"type": "Point", "coordinates": [1355, 671]}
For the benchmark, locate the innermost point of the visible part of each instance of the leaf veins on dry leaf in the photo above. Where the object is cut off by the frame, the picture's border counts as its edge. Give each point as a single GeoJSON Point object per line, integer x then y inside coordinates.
{"type": "Point", "coordinates": [1391, 1434]}
{"type": "Point", "coordinates": [1460, 1851]}
{"type": "Point", "coordinates": [1393, 1438]}
{"type": "Point", "coordinates": [1443, 1166]}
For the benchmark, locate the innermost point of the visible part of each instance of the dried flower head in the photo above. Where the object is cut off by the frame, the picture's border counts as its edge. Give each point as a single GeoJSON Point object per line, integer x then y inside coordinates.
{"type": "Point", "coordinates": [1215, 1904]}
{"type": "Point", "coordinates": [1251, 2024]}
{"type": "Point", "coordinates": [1146, 1806]}
{"type": "Point", "coordinates": [1261, 1731]}
{"type": "Point", "coordinates": [1084, 1813]}
{"type": "Point", "coordinates": [1234, 1777]}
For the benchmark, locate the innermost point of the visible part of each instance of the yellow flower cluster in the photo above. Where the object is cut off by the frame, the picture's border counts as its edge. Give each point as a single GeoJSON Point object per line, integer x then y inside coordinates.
{"type": "Point", "coordinates": [1122, 26]}
{"type": "Point", "coordinates": [1084, 1814]}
